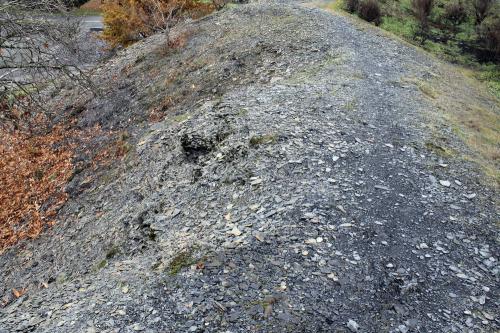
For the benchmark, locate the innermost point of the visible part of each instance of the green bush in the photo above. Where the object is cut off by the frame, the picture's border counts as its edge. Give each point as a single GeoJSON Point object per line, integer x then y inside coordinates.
{"type": "Point", "coordinates": [401, 27]}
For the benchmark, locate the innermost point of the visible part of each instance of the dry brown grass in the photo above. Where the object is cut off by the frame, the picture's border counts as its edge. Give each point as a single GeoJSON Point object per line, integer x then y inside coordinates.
{"type": "Point", "coordinates": [177, 40]}
{"type": "Point", "coordinates": [474, 115]}
{"type": "Point", "coordinates": [158, 112]}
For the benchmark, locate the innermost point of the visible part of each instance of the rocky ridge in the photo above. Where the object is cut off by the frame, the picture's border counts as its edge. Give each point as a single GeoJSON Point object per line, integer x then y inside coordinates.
{"type": "Point", "coordinates": [288, 189]}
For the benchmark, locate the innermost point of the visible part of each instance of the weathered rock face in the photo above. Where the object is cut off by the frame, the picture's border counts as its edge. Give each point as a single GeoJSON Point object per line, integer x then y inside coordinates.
{"type": "Point", "coordinates": [289, 189]}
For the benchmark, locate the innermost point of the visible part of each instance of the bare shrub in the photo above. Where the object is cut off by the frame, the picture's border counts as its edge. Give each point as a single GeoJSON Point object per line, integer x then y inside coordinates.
{"type": "Point", "coordinates": [351, 5]}
{"type": "Point", "coordinates": [176, 41]}
{"type": "Point", "coordinates": [127, 21]}
{"type": "Point", "coordinates": [489, 34]}
{"type": "Point", "coordinates": [38, 49]}
{"type": "Point", "coordinates": [369, 10]}
{"type": "Point", "coordinates": [481, 9]}
{"type": "Point", "coordinates": [422, 10]}
{"type": "Point", "coordinates": [455, 13]}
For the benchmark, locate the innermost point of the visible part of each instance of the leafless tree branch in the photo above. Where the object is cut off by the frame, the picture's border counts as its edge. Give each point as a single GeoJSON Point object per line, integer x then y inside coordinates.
{"type": "Point", "coordinates": [38, 48]}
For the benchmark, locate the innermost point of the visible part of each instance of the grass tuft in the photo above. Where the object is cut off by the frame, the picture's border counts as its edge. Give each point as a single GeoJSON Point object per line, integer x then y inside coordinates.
{"type": "Point", "coordinates": [426, 89]}
{"type": "Point", "coordinates": [113, 252]}
{"type": "Point", "coordinates": [438, 149]}
{"type": "Point", "coordinates": [180, 261]}
{"type": "Point", "coordinates": [262, 139]}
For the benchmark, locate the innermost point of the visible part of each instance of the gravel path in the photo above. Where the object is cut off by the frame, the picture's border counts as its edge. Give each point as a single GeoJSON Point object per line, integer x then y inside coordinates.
{"type": "Point", "coordinates": [291, 190]}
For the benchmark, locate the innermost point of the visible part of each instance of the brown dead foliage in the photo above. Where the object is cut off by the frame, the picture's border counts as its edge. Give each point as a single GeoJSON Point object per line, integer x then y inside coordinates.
{"type": "Point", "coordinates": [34, 169]}
{"type": "Point", "coordinates": [158, 112]}
{"type": "Point", "coordinates": [126, 21]}
{"type": "Point", "coordinates": [36, 164]}
{"type": "Point", "coordinates": [116, 150]}
{"type": "Point", "coordinates": [93, 5]}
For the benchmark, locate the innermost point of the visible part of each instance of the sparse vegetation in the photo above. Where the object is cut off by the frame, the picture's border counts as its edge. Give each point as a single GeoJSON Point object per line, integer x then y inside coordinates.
{"type": "Point", "coordinates": [426, 89]}
{"type": "Point", "coordinates": [112, 252]}
{"type": "Point", "coordinates": [438, 149]}
{"type": "Point", "coordinates": [351, 105]}
{"type": "Point", "coordinates": [182, 260]}
{"type": "Point", "coordinates": [471, 120]}
{"type": "Point", "coordinates": [181, 118]}
{"type": "Point", "coordinates": [101, 264]}
{"type": "Point", "coordinates": [262, 139]}
{"type": "Point", "coordinates": [115, 150]}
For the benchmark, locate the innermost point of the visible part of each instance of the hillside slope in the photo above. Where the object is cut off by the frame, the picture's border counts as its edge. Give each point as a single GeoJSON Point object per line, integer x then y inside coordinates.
{"type": "Point", "coordinates": [298, 183]}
